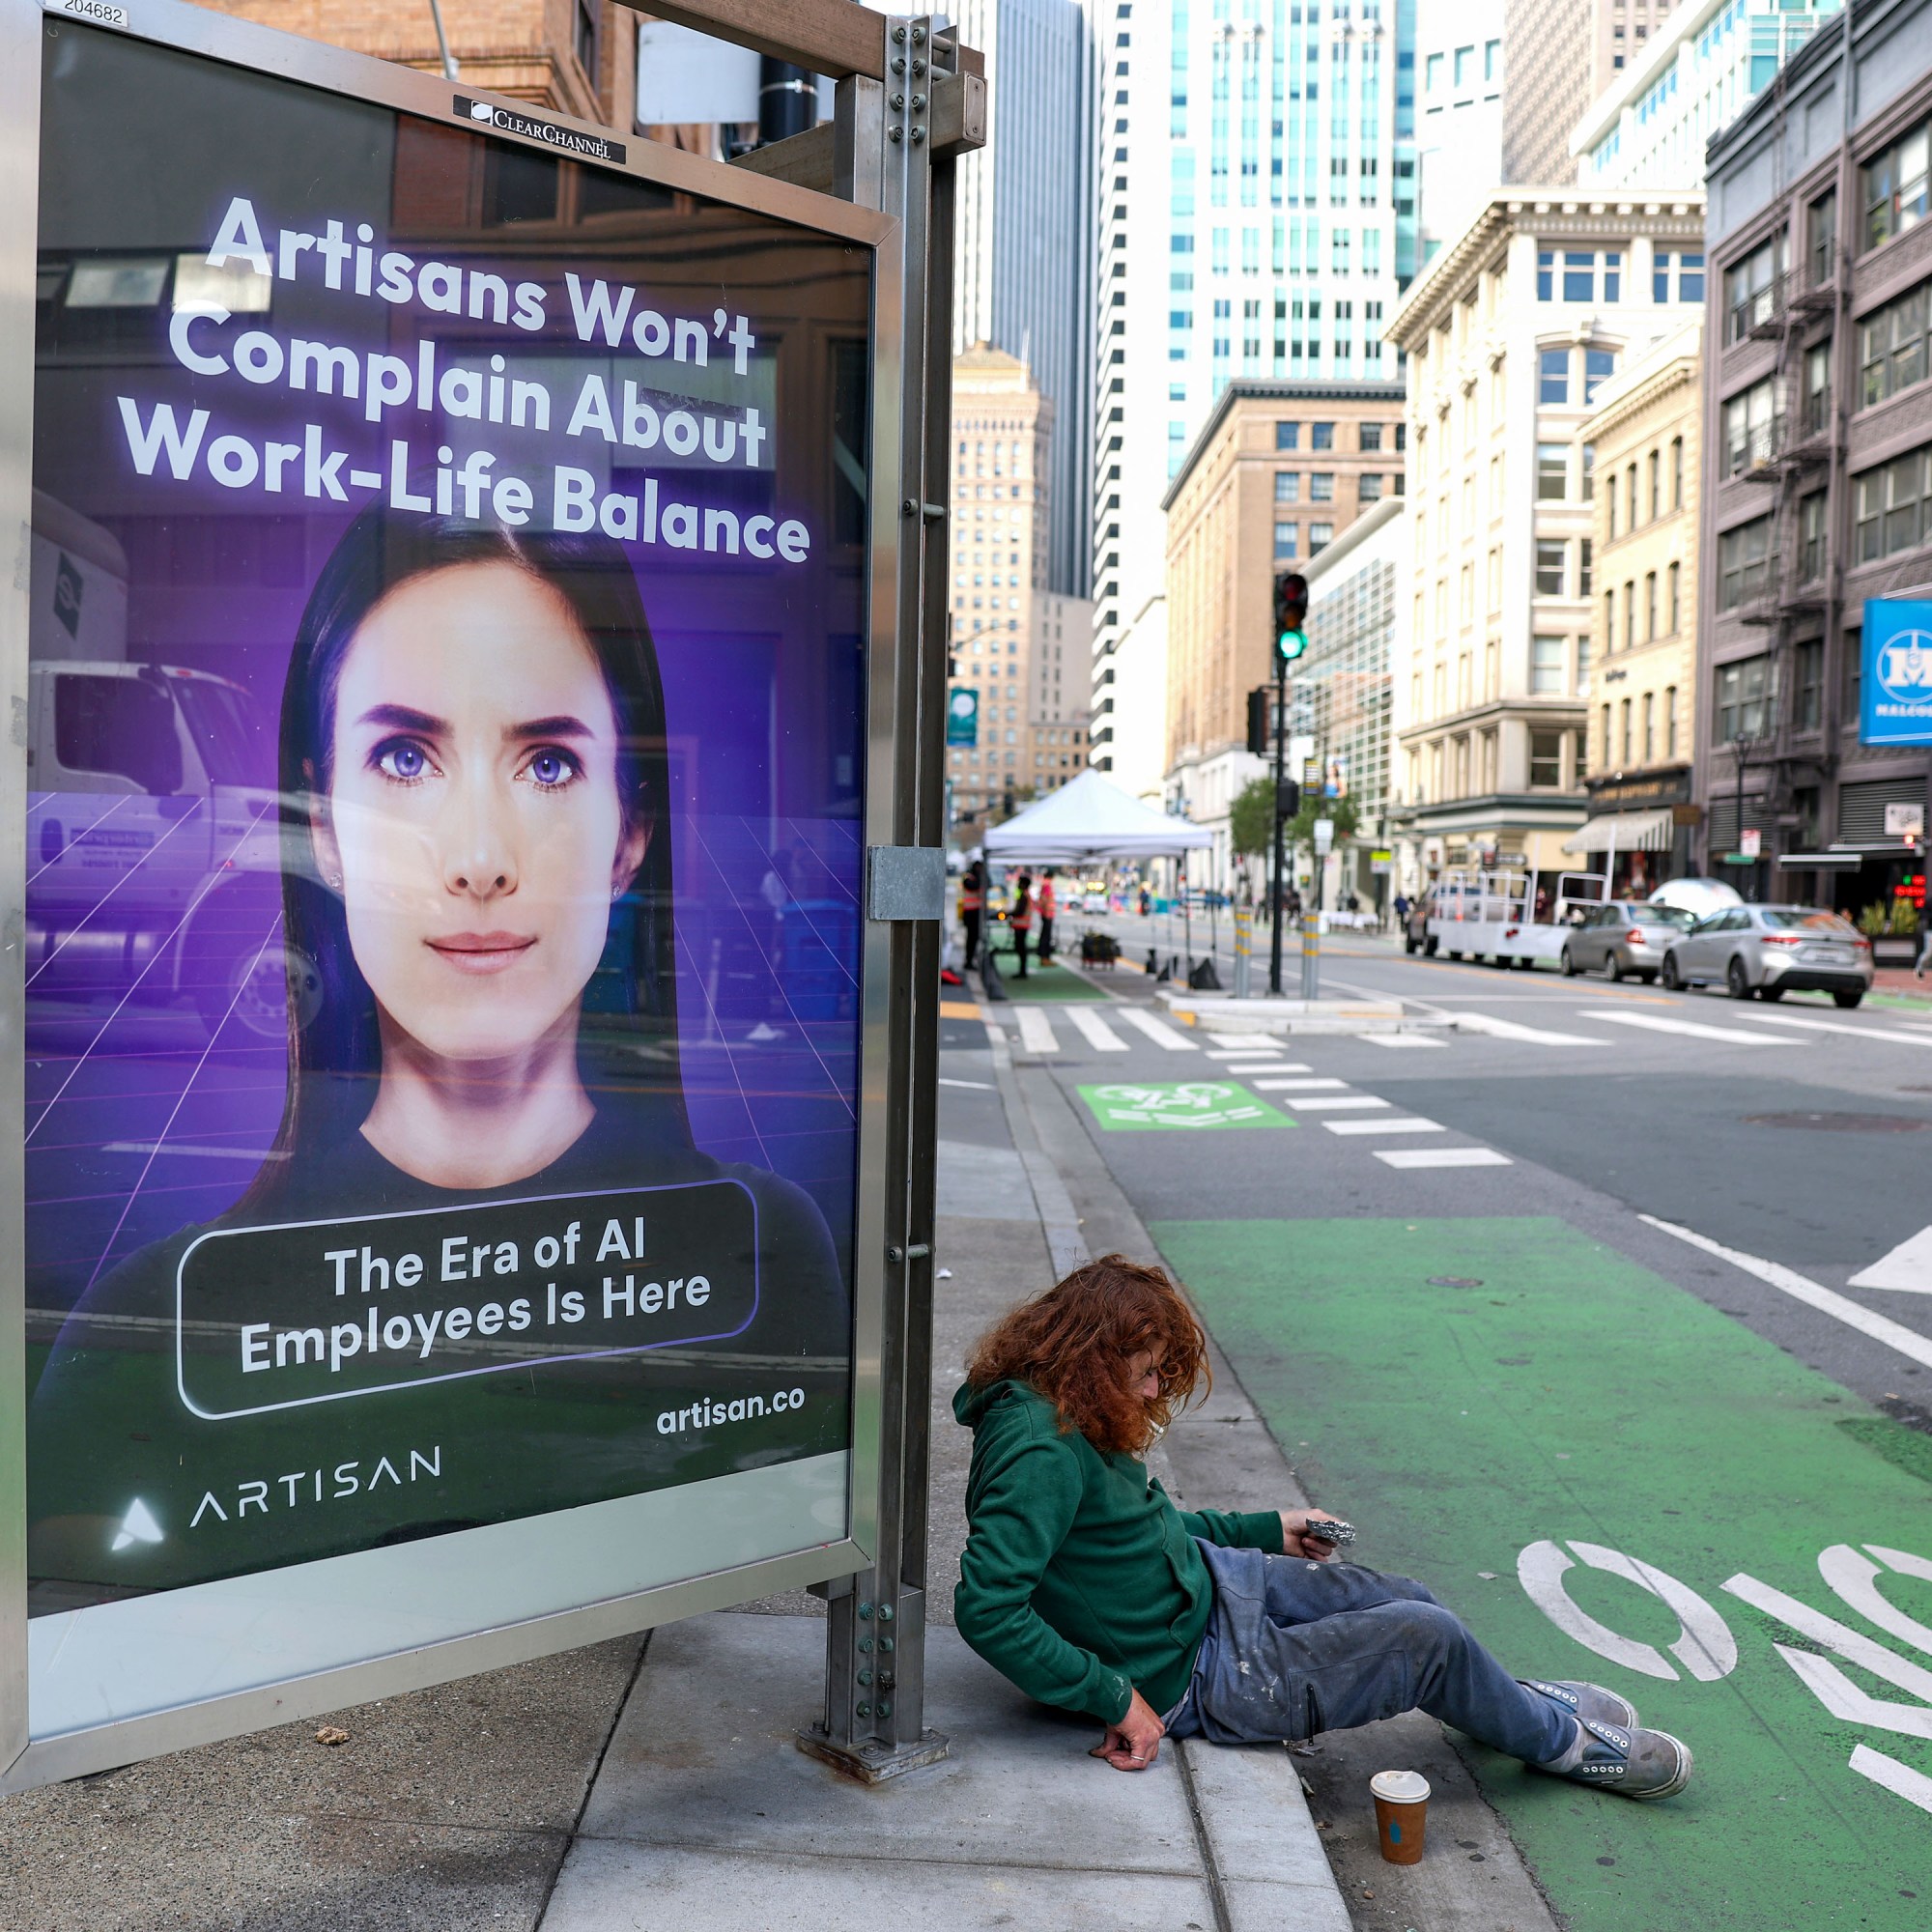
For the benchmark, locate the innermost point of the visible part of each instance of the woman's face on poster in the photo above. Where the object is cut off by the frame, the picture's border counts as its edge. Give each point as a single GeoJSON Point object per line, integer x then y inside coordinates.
{"type": "Point", "coordinates": [472, 824]}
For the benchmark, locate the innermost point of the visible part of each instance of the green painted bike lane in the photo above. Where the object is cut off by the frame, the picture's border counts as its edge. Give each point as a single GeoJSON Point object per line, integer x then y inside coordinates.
{"type": "Point", "coordinates": [1544, 1392]}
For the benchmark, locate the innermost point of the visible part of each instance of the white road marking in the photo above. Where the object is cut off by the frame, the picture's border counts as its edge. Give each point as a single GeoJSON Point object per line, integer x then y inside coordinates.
{"type": "Point", "coordinates": [1443, 1157]}
{"type": "Point", "coordinates": [1094, 1031]}
{"type": "Point", "coordinates": [1037, 1033]}
{"type": "Point", "coordinates": [1260, 1052]}
{"type": "Point", "coordinates": [1158, 1030]}
{"type": "Point", "coordinates": [1908, 1268]}
{"type": "Point", "coordinates": [1407, 1125]}
{"type": "Point", "coordinates": [1509, 1029]}
{"type": "Point", "coordinates": [984, 1086]}
{"type": "Point", "coordinates": [1695, 1028]}
{"type": "Point", "coordinates": [1841, 1026]}
{"type": "Point", "coordinates": [1331, 1103]}
{"type": "Point", "coordinates": [1245, 1043]}
{"type": "Point", "coordinates": [1399, 1039]}
{"type": "Point", "coordinates": [1316, 1085]}
{"type": "Point", "coordinates": [1801, 1288]}
{"type": "Point", "coordinates": [1273, 1066]}
{"type": "Point", "coordinates": [1900, 1779]}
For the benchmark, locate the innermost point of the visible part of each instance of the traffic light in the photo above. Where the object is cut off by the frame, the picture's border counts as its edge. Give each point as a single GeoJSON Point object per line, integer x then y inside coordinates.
{"type": "Point", "coordinates": [1290, 612]}
{"type": "Point", "coordinates": [1260, 722]}
{"type": "Point", "coordinates": [1287, 799]}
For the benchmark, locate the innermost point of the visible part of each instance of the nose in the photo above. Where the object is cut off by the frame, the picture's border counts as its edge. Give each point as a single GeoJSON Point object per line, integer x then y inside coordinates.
{"type": "Point", "coordinates": [479, 843]}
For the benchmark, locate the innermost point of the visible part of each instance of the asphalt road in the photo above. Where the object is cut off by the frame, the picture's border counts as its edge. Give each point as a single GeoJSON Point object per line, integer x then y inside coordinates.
{"type": "Point", "coordinates": [1558, 1304]}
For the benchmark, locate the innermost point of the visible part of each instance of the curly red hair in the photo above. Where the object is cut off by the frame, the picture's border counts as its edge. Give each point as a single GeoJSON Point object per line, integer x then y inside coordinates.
{"type": "Point", "coordinates": [1073, 1344]}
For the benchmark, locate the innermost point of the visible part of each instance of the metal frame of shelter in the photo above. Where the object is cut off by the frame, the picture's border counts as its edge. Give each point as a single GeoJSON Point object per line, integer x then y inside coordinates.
{"type": "Point", "coordinates": [909, 102]}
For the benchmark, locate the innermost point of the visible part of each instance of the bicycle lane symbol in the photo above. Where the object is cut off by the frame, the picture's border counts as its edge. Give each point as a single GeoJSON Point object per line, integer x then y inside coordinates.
{"type": "Point", "coordinates": [1707, 1651]}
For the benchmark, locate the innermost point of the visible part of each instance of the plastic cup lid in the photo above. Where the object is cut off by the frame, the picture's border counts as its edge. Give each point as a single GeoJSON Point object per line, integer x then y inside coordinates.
{"type": "Point", "coordinates": [1400, 1787]}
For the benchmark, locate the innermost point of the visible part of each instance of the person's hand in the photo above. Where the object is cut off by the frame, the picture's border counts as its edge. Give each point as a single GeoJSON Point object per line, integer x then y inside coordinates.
{"type": "Point", "coordinates": [1134, 1742]}
{"type": "Point", "coordinates": [1294, 1544]}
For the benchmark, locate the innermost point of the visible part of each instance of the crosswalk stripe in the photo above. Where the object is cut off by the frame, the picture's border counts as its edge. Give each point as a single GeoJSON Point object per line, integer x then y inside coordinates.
{"type": "Point", "coordinates": [1037, 1031]}
{"type": "Point", "coordinates": [1443, 1157]}
{"type": "Point", "coordinates": [1317, 1086]}
{"type": "Point", "coordinates": [1409, 1124]}
{"type": "Point", "coordinates": [1250, 1066]}
{"type": "Point", "coordinates": [1908, 1268]}
{"type": "Point", "coordinates": [1841, 1026]}
{"type": "Point", "coordinates": [1333, 1102]}
{"type": "Point", "coordinates": [1260, 1050]}
{"type": "Point", "coordinates": [1243, 1042]}
{"type": "Point", "coordinates": [1509, 1029]}
{"type": "Point", "coordinates": [1695, 1028]}
{"type": "Point", "coordinates": [1095, 1030]}
{"type": "Point", "coordinates": [1399, 1039]}
{"type": "Point", "coordinates": [1158, 1030]}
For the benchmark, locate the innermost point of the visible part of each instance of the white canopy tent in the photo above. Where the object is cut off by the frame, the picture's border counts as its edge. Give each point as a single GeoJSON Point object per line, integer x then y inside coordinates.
{"type": "Point", "coordinates": [1087, 821]}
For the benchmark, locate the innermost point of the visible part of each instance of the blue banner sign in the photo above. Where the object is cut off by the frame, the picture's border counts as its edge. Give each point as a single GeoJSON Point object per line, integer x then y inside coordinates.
{"type": "Point", "coordinates": [1895, 689]}
{"type": "Point", "coordinates": [962, 716]}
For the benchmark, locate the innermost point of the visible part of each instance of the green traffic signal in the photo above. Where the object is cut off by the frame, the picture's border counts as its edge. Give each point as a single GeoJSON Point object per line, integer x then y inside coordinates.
{"type": "Point", "coordinates": [1292, 644]}
{"type": "Point", "coordinates": [1290, 610]}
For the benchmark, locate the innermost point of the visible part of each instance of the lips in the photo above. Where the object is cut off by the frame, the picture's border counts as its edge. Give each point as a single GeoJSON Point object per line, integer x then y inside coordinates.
{"type": "Point", "coordinates": [481, 953]}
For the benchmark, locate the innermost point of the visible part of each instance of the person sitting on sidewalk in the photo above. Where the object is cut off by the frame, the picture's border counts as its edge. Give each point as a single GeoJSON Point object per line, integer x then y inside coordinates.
{"type": "Point", "coordinates": [1083, 1584]}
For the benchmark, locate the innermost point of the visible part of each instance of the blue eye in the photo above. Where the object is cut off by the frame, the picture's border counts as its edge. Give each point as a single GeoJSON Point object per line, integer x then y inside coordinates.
{"type": "Point", "coordinates": [551, 768]}
{"type": "Point", "coordinates": [402, 761]}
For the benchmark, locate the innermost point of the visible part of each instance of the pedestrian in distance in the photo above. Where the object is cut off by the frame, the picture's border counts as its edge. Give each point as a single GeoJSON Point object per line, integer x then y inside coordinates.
{"type": "Point", "coordinates": [1925, 959]}
{"type": "Point", "coordinates": [1090, 1590]}
{"type": "Point", "coordinates": [1047, 900]}
{"type": "Point", "coordinates": [1020, 920]}
{"type": "Point", "coordinates": [972, 906]}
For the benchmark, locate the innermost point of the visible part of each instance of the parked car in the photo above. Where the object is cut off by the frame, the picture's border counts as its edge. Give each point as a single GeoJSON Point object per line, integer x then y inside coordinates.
{"type": "Point", "coordinates": [1772, 950]}
{"type": "Point", "coordinates": [1624, 939]}
{"type": "Point", "coordinates": [1093, 899]}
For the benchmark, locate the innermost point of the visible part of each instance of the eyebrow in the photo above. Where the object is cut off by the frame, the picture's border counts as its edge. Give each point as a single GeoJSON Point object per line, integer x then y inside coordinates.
{"type": "Point", "coordinates": [406, 718]}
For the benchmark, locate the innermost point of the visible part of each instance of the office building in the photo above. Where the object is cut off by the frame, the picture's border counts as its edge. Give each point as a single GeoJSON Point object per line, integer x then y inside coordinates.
{"type": "Point", "coordinates": [1818, 469]}
{"type": "Point", "coordinates": [1344, 687]}
{"type": "Point", "coordinates": [1019, 646]}
{"type": "Point", "coordinates": [1277, 473]}
{"type": "Point", "coordinates": [1458, 129]}
{"type": "Point", "coordinates": [1646, 438]}
{"type": "Point", "coordinates": [1697, 75]}
{"type": "Point", "coordinates": [577, 58]}
{"type": "Point", "coordinates": [1023, 261]}
{"type": "Point", "coordinates": [1544, 96]}
{"type": "Point", "coordinates": [1512, 334]}
{"type": "Point", "coordinates": [1255, 219]}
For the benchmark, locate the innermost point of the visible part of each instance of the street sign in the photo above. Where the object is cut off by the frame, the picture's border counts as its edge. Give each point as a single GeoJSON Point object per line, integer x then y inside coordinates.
{"type": "Point", "coordinates": [1905, 820]}
{"type": "Point", "coordinates": [1324, 833]}
{"type": "Point", "coordinates": [1896, 688]}
{"type": "Point", "coordinates": [405, 1395]}
{"type": "Point", "coordinates": [962, 716]}
{"type": "Point", "coordinates": [1751, 843]}
{"type": "Point", "coordinates": [1381, 861]}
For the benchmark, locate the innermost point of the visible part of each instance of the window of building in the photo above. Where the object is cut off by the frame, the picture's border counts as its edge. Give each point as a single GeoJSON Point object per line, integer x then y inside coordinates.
{"type": "Point", "coordinates": [1584, 663]}
{"type": "Point", "coordinates": [1599, 366]}
{"type": "Point", "coordinates": [1553, 471]}
{"type": "Point", "coordinates": [1369, 490]}
{"type": "Point", "coordinates": [1822, 235]}
{"type": "Point", "coordinates": [1892, 346]}
{"type": "Point", "coordinates": [1750, 428]}
{"type": "Point", "coordinates": [1545, 667]}
{"type": "Point", "coordinates": [586, 36]}
{"type": "Point", "coordinates": [1319, 538]}
{"type": "Point", "coordinates": [1650, 728]}
{"type": "Point", "coordinates": [1552, 376]}
{"type": "Point", "coordinates": [1895, 188]}
{"type": "Point", "coordinates": [1586, 550]}
{"type": "Point", "coordinates": [1649, 629]}
{"type": "Point", "coordinates": [1288, 486]}
{"type": "Point", "coordinates": [1609, 757]}
{"type": "Point", "coordinates": [1673, 597]}
{"type": "Point", "coordinates": [1609, 620]}
{"type": "Point", "coordinates": [1630, 497]}
{"type": "Point", "coordinates": [1624, 747]}
{"type": "Point", "coordinates": [1676, 472]}
{"type": "Point", "coordinates": [1670, 720]}
{"type": "Point", "coordinates": [1889, 504]}
{"type": "Point", "coordinates": [1589, 489]}
{"type": "Point", "coordinates": [1546, 759]}
{"type": "Point", "coordinates": [1812, 537]}
{"type": "Point", "coordinates": [1750, 293]}
{"type": "Point", "coordinates": [1287, 436]}
{"type": "Point", "coordinates": [1807, 686]}
{"type": "Point", "coordinates": [1550, 567]}
{"type": "Point", "coordinates": [1654, 476]}
{"type": "Point", "coordinates": [1372, 439]}
{"type": "Point", "coordinates": [1676, 275]}
{"type": "Point", "coordinates": [1321, 435]}
{"type": "Point", "coordinates": [1630, 614]}
{"type": "Point", "coordinates": [1741, 690]}
{"type": "Point", "coordinates": [1741, 564]}
{"type": "Point", "coordinates": [1580, 275]}
{"type": "Point", "coordinates": [1321, 486]}
{"type": "Point", "coordinates": [1287, 542]}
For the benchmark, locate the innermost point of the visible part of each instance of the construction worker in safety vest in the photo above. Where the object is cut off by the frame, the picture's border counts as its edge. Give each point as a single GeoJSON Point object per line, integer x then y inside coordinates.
{"type": "Point", "coordinates": [1020, 919]}
{"type": "Point", "coordinates": [972, 904]}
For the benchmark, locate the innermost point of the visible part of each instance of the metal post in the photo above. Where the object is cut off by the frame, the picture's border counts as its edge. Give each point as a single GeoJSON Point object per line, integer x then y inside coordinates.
{"type": "Point", "coordinates": [874, 1726]}
{"type": "Point", "coordinates": [1276, 882]}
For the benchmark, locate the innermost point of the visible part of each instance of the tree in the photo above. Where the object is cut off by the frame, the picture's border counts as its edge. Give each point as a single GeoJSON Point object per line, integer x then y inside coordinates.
{"type": "Point", "coordinates": [1302, 827]}
{"type": "Point", "coordinates": [1251, 819]}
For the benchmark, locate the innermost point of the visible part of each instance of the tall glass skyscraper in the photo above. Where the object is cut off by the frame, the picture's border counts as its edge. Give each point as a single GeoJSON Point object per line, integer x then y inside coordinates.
{"type": "Point", "coordinates": [1256, 216]}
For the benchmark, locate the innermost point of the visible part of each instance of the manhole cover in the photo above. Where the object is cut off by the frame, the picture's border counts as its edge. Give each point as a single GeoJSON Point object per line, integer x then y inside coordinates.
{"type": "Point", "coordinates": [1454, 1281]}
{"type": "Point", "coordinates": [1842, 1124]}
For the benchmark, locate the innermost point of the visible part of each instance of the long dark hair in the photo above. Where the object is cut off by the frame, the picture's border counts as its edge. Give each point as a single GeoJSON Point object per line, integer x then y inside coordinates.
{"type": "Point", "coordinates": [334, 1045]}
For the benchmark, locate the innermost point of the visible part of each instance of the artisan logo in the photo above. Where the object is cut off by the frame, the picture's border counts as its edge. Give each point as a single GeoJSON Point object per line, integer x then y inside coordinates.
{"type": "Point", "coordinates": [566, 140]}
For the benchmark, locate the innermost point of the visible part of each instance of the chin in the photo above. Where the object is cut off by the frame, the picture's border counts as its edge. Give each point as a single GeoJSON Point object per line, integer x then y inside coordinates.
{"type": "Point", "coordinates": [484, 1030]}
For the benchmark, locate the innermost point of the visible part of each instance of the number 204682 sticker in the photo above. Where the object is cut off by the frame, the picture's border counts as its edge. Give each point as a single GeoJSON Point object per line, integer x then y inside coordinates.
{"type": "Point", "coordinates": [96, 11]}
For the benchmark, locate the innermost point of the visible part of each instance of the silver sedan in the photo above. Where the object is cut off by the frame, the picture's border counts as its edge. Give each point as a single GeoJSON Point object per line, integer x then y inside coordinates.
{"type": "Point", "coordinates": [1624, 939]}
{"type": "Point", "coordinates": [1772, 950]}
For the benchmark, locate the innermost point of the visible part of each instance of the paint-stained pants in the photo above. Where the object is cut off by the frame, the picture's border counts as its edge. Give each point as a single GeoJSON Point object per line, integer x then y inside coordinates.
{"type": "Point", "coordinates": [1295, 1647]}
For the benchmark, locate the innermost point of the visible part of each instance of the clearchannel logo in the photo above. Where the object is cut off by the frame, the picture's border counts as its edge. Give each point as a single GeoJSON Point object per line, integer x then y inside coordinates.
{"type": "Point", "coordinates": [512, 120]}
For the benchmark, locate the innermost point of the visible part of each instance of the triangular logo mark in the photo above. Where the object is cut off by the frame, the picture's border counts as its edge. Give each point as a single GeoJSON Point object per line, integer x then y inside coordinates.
{"type": "Point", "coordinates": [138, 1525]}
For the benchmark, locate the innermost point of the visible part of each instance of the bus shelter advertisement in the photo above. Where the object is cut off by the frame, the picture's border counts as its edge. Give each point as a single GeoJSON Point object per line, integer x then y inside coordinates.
{"type": "Point", "coordinates": [446, 680]}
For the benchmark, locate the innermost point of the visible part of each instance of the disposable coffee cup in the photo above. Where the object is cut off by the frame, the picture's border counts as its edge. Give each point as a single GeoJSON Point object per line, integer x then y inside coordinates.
{"type": "Point", "coordinates": [1401, 1811]}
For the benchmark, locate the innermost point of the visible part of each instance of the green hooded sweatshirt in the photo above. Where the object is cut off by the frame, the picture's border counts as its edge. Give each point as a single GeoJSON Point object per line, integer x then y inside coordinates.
{"type": "Point", "coordinates": [1080, 1580]}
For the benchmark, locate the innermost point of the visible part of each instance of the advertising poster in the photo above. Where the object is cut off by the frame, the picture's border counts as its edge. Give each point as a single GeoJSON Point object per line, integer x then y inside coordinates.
{"type": "Point", "coordinates": [445, 845]}
{"type": "Point", "coordinates": [1896, 691]}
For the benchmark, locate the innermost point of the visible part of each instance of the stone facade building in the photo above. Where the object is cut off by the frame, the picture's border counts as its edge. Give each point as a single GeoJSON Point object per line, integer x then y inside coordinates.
{"type": "Point", "coordinates": [1818, 424]}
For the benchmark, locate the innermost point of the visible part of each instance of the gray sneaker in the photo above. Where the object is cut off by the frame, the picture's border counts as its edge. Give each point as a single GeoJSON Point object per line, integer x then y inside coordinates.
{"type": "Point", "coordinates": [1585, 1700]}
{"type": "Point", "coordinates": [1634, 1763]}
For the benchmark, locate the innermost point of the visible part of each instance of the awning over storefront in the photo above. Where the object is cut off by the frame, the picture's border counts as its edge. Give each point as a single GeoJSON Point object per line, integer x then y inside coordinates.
{"type": "Point", "coordinates": [1625, 832]}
